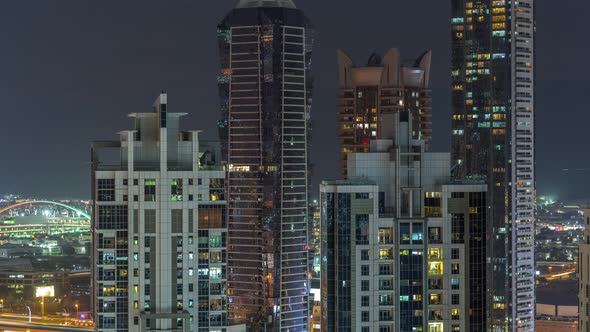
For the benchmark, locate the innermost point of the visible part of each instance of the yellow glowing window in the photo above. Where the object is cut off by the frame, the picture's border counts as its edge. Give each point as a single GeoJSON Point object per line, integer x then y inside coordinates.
{"type": "Point", "coordinates": [481, 18]}
{"type": "Point", "coordinates": [135, 289]}
{"type": "Point", "coordinates": [435, 268]}
{"type": "Point", "coordinates": [469, 5]}
{"type": "Point", "coordinates": [135, 305]}
{"type": "Point", "coordinates": [417, 297]}
{"type": "Point", "coordinates": [435, 253]}
{"type": "Point", "coordinates": [499, 26]}
{"type": "Point", "coordinates": [235, 168]}
{"type": "Point", "coordinates": [499, 306]}
{"type": "Point", "coordinates": [385, 254]}
{"type": "Point", "coordinates": [499, 18]}
{"type": "Point", "coordinates": [435, 299]}
{"type": "Point", "coordinates": [500, 10]}
{"type": "Point", "coordinates": [435, 327]}
{"type": "Point", "coordinates": [469, 102]}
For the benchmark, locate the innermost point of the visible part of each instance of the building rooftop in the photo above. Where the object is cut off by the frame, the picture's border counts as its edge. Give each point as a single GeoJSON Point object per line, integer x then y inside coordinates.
{"type": "Point", "coordinates": [349, 182]}
{"type": "Point", "coordinates": [16, 264]}
{"type": "Point", "coordinates": [265, 3]}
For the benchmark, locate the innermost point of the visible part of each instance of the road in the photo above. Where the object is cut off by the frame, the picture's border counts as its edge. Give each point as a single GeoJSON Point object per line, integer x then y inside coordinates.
{"type": "Point", "coordinates": [11, 324]}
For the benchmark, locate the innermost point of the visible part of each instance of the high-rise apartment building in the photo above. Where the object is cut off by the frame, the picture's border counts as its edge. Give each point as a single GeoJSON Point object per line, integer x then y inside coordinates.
{"type": "Point", "coordinates": [584, 276]}
{"type": "Point", "coordinates": [493, 140]}
{"type": "Point", "coordinates": [265, 90]}
{"type": "Point", "coordinates": [159, 228]}
{"type": "Point", "coordinates": [402, 246]}
{"type": "Point", "coordinates": [384, 85]}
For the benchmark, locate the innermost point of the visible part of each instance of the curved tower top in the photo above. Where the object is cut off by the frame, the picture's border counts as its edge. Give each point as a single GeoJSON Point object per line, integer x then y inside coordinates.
{"type": "Point", "coordinates": [265, 3]}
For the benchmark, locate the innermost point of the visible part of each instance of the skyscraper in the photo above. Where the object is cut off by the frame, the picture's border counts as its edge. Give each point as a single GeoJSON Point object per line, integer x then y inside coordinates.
{"type": "Point", "coordinates": [159, 228]}
{"type": "Point", "coordinates": [402, 247]}
{"type": "Point", "coordinates": [584, 276]}
{"type": "Point", "coordinates": [493, 140]}
{"type": "Point", "coordinates": [265, 89]}
{"type": "Point", "coordinates": [383, 85]}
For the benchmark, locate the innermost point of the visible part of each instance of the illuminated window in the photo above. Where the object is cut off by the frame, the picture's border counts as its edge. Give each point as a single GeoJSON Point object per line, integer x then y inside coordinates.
{"type": "Point", "coordinates": [215, 273]}
{"type": "Point", "coordinates": [149, 190]}
{"type": "Point", "coordinates": [176, 190]}
{"type": "Point", "coordinates": [385, 253]}
{"type": "Point", "coordinates": [499, 306]}
{"type": "Point", "coordinates": [435, 299]}
{"type": "Point", "coordinates": [435, 268]}
{"type": "Point", "coordinates": [435, 254]}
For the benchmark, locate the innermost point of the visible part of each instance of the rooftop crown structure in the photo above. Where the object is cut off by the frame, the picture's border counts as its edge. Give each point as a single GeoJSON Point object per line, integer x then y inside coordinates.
{"type": "Point", "coordinates": [383, 86]}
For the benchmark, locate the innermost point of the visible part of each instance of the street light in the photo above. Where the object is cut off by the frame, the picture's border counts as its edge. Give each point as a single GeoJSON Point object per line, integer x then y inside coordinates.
{"type": "Point", "coordinates": [77, 315]}
{"type": "Point", "coordinates": [43, 292]}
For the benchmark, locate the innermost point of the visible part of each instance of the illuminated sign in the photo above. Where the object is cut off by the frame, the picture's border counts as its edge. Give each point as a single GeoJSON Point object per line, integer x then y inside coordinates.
{"type": "Point", "coordinates": [44, 291]}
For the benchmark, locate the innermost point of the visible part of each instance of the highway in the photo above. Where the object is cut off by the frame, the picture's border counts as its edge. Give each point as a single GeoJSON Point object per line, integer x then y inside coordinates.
{"type": "Point", "coordinates": [8, 324]}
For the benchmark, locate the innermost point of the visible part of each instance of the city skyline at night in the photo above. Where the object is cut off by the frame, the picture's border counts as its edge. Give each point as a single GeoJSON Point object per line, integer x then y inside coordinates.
{"type": "Point", "coordinates": [319, 166]}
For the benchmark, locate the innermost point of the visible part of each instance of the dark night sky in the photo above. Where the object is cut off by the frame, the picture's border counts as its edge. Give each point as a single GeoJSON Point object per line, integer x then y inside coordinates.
{"type": "Point", "coordinates": [70, 72]}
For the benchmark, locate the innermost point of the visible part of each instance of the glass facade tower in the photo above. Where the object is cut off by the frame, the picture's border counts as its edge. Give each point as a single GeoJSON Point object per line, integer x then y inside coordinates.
{"type": "Point", "coordinates": [265, 91]}
{"type": "Point", "coordinates": [402, 247]}
{"type": "Point", "coordinates": [493, 140]}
